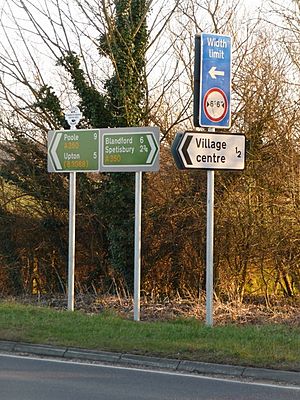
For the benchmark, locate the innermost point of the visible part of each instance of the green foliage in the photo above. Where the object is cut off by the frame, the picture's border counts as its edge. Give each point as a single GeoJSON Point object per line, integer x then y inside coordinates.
{"type": "Point", "coordinates": [48, 102]}
{"type": "Point", "coordinates": [118, 211]}
{"type": "Point", "coordinates": [93, 104]}
{"type": "Point", "coordinates": [126, 45]}
{"type": "Point", "coordinates": [10, 259]}
{"type": "Point", "coordinates": [29, 173]}
{"type": "Point", "coordinates": [105, 204]}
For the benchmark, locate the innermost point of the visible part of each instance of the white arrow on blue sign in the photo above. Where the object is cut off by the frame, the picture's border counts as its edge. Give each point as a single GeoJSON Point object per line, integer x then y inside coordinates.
{"type": "Point", "coordinates": [215, 81]}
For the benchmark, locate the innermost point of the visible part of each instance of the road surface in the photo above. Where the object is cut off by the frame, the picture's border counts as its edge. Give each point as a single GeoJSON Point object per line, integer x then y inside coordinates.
{"type": "Point", "coordinates": [25, 378]}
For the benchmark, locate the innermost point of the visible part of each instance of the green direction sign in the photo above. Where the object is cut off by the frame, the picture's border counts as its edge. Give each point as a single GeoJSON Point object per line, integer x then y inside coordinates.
{"type": "Point", "coordinates": [73, 150]}
{"type": "Point", "coordinates": [129, 149]}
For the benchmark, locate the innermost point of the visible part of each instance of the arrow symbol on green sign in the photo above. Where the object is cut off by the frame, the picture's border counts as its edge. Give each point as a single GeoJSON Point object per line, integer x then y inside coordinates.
{"type": "Point", "coordinates": [53, 150]}
{"type": "Point", "coordinates": [153, 150]}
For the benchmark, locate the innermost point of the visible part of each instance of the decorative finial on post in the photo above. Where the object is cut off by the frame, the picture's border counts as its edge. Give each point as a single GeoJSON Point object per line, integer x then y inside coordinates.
{"type": "Point", "coordinates": [73, 116]}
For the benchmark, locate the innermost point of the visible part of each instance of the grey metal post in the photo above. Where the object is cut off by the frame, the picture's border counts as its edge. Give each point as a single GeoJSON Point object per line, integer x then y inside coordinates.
{"type": "Point", "coordinates": [72, 228]}
{"type": "Point", "coordinates": [72, 117]}
{"type": "Point", "coordinates": [210, 245]}
{"type": "Point", "coordinates": [137, 244]}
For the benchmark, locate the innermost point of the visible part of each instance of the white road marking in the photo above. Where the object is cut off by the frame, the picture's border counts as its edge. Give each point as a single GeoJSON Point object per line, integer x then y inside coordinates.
{"type": "Point", "coordinates": [153, 371]}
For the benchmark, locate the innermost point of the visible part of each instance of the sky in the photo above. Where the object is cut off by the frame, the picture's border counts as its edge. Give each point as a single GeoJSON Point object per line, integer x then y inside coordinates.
{"type": "Point", "coordinates": [45, 60]}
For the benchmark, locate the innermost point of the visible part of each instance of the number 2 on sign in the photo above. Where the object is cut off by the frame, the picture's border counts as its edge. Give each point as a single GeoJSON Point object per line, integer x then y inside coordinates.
{"type": "Point", "coordinates": [238, 152]}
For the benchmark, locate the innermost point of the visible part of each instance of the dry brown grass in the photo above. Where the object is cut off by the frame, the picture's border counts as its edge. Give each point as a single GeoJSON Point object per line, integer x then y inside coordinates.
{"type": "Point", "coordinates": [255, 312]}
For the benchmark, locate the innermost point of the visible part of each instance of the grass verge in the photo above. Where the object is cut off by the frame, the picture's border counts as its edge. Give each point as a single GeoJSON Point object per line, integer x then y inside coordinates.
{"type": "Point", "coordinates": [270, 346]}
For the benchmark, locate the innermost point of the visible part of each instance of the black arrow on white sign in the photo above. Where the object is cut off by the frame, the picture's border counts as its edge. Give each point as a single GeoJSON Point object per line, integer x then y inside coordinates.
{"type": "Point", "coordinates": [174, 150]}
{"type": "Point", "coordinates": [187, 141]}
{"type": "Point", "coordinates": [204, 150]}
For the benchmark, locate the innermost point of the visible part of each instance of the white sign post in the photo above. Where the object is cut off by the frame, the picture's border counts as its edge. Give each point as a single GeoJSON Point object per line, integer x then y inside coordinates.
{"type": "Point", "coordinates": [210, 195]}
{"type": "Point", "coordinates": [137, 245]}
{"type": "Point", "coordinates": [136, 150]}
{"type": "Point", "coordinates": [215, 112]}
{"type": "Point", "coordinates": [202, 150]}
{"type": "Point", "coordinates": [209, 150]}
{"type": "Point", "coordinates": [72, 117]}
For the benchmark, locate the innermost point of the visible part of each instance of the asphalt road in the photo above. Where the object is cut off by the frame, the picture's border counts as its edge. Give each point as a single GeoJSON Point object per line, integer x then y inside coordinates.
{"type": "Point", "coordinates": [24, 378]}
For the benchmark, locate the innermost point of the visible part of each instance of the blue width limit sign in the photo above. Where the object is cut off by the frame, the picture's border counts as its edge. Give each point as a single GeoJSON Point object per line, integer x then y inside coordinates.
{"type": "Point", "coordinates": [215, 81]}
